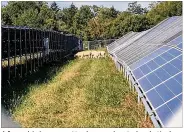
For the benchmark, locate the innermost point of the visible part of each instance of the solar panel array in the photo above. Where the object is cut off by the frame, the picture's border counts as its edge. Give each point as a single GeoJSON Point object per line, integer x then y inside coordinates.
{"type": "Point", "coordinates": [160, 76]}
{"type": "Point", "coordinates": [118, 42]}
{"type": "Point", "coordinates": [154, 59]}
{"type": "Point", "coordinates": [127, 41]}
{"type": "Point", "coordinates": [150, 40]}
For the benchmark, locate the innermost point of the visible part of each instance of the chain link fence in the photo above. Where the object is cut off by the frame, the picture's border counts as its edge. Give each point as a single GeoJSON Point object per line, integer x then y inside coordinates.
{"type": "Point", "coordinates": [96, 44]}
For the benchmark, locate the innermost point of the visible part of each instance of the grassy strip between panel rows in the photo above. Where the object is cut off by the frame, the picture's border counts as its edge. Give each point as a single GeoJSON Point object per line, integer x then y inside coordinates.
{"type": "Point", "coordinates": [85, 93]}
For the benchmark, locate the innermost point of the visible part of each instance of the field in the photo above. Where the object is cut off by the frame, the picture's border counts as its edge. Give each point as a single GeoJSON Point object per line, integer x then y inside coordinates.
{"type": "Point", "coordinates": [83, 93]}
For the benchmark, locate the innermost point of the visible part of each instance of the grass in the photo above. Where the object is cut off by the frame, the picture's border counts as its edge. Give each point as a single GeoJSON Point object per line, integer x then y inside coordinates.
{"type": "Point", "coordinates": [17, 60]}
{"type": "Point", "coordinates": [83, 93]}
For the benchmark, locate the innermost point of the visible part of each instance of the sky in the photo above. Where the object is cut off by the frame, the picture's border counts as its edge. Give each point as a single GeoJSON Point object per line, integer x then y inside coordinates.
{"type": "Point", "coordinates": [118, 5]}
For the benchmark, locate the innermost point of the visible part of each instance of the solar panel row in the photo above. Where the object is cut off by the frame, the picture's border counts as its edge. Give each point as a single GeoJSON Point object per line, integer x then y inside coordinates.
{"type": "Point", "coordinates": [148, 41]}
{"type": "Point", "coordinates": [154, 59]}
{"type": "Point", "coordinates": [118, 42]}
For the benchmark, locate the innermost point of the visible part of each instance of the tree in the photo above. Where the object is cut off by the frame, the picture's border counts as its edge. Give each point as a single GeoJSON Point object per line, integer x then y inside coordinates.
{"type": "Point", "coordinates": [92, 22]}
{"type": "Point", "coordinates": [6, 19]}
{"type": "Point", "coordinates": [113, 12]}
{"type": "Point", "coordinates": [153, 4]}
{"type": "Point", "coordinates": [54, 7]}
{"type": "Point", "coordinates": [28, 18]}
{"type": "Point", "coordinates": [81, 18]}
{"type": "Point", "coordinates": [14, 9]}
{"type": "Point", "coordinates": [46, 16]}
{"type": "Point", "coordinates": [163, 10]}
{"type": "Point", "coordinates": [136, 8]}
{"type": "Point", "coordinates": [107, 13]}
{"type": "Point", "coordinates": [67, 16]}
{"type": "Point", "coordinates": [95, 10]}
{"type": "Point", "coordinates": [118, 29]}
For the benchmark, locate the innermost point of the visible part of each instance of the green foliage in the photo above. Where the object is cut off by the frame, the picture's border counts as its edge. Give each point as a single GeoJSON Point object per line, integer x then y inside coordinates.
{"type": "Point", "coordinates": [136, 8]}
{"type": "Point", "coordinates": [163, 10]}
{"type": "Point", "coordinates": [92, 22]}
{"type": "Point", "coordinates": [28, 18]}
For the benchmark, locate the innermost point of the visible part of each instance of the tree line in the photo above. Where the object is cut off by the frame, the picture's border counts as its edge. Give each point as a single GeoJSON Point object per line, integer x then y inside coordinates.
{"type": "Point", "coordinates": [90, 22]}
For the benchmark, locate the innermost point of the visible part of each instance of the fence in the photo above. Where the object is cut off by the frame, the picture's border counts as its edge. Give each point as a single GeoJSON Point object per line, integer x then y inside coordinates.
{"type": "Point", "coordinates": [25, 49]}
{"type": "Point", "coordinates": [88, 45]}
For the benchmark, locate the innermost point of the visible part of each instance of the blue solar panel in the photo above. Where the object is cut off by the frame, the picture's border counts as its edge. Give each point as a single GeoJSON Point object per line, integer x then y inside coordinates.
{"type": "Point", "coordinates": [174, 86]}
{"type": "Point", "coordinates": [154, 98]}
{"type": "Point", "coordinates": [174, 104]}
{"type": "Point", "coordinates": [145, 69]}
{"type": "Point", "coordinates": [180, 57]}
{"type": "Point", "coordinates": [153, 79]}
{"type": "Point", "coordinates": [174, 52]}
{"type": "Point", "coordinates": [138, 73]}
{"type": "Point", "coordinates": [161, 80]}
{"type": "Point", "coordinates": [179, 78]}
{"type": "Point", "coordinates": [180, 46]}
{"type": "Point", "coordinates": [164, 114]}
{"type": "Point", "coordinates": [152, 65]}
{"type": "Point", "coordinates": [149, 57]}
{"type": "Point", "coordinates": [170, 69]}
{"type": "Point", "coordinates": [164, 92]}
{"type": "Point", "coordinates": [176, 41]}
{"type": "Point", "coordinates": [177, 63]}
{"type": "Point", "coordinates": [160, 61]}
{"type": "Point", "coordinates": [180, 97]}
{"type": "Point", "coordinates": [162, 74]}
{"type": "Point", "coordinates": [167, 56]}
{"type": "Point", "coordinates": [159, 73]}
{"type": "Point", "coordinates": [145, 84]}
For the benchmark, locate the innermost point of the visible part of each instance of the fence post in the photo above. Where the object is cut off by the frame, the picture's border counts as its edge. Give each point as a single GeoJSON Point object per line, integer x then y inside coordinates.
{"type": "Point", "coordinates": [88, 46]}
{"type": "Point", "coordinates": [25, 50]}
{"type": "Point", "coordinates": [20, 53]}
{"type": "Point", "coordinates": [15, 41]}
{"type": "Point", "coordinates": [8, 53]}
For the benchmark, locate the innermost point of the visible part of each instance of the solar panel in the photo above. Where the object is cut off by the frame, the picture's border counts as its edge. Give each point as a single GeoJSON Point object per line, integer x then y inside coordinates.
{"type": "Point", "coordinates": [153, 61]}
{"type": "Point", "coordinates": [129, 41]}
{"type": "Point", "coordinates": [180, 46]}
{"type": "Point", "coordinates": [161, 80]}
{"type": "Point", "coordinates": [177, 41]}
{"type": "Point", "coordinates": [150, 41]}
{"type": "Point", "coordinates": [118, 42]}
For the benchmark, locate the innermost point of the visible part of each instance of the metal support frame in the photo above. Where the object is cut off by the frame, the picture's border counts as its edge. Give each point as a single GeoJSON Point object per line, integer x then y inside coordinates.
{"type": "Point", "coordinates": [23, 50]}
{"type": "Point", "coordinates": [20, 54]}
{"type": "Point", "coordinates": [30, 51]}
{"type": "Point", "coordinates": [26, 50]}
{"type": "Point", "coordinates": [37, 50]}
{"type": "Point", "coordinates": [15, 45]}
{"type": "Point", "coordinates": [8, 53]}
{"type": "Point", "coordinates": [41, 49]}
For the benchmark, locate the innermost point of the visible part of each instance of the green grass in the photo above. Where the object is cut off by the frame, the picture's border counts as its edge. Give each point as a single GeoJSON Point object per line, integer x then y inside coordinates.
{"type": "Point", "coordinates": [18, 61]}
{"type": "Point", "coordinates": [83, 93]}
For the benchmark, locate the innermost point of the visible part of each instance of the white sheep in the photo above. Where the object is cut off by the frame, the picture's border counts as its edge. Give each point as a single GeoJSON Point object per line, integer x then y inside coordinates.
{"type": "Point", "coordinates": [95, 54]}
{"type": "Point", "coordinates": [102, 53]}
{"type": "Point", "coordinates": [90, 54]}
{"type": "Point", "coordinates": [79, 55]}
{"type": "Point", "coordinates": [86, 54]}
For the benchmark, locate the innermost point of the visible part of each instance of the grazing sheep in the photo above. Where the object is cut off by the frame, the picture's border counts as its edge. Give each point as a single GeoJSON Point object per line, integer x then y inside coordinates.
{"type": "Point", "coordinates": [102, 54]}
{"type": "Point", "coordinates": [86, 54]}
{"type": "Point", "coordinates": [94, 54]}
{"type": "Point", "coordinates": [79, 55]}
{"type": "Point", "coordinates": [90, 54]}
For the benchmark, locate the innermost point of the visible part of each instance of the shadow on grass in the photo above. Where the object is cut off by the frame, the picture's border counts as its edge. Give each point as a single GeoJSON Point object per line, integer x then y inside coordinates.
{"type": "Point", "coordinates": [12, 93]}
